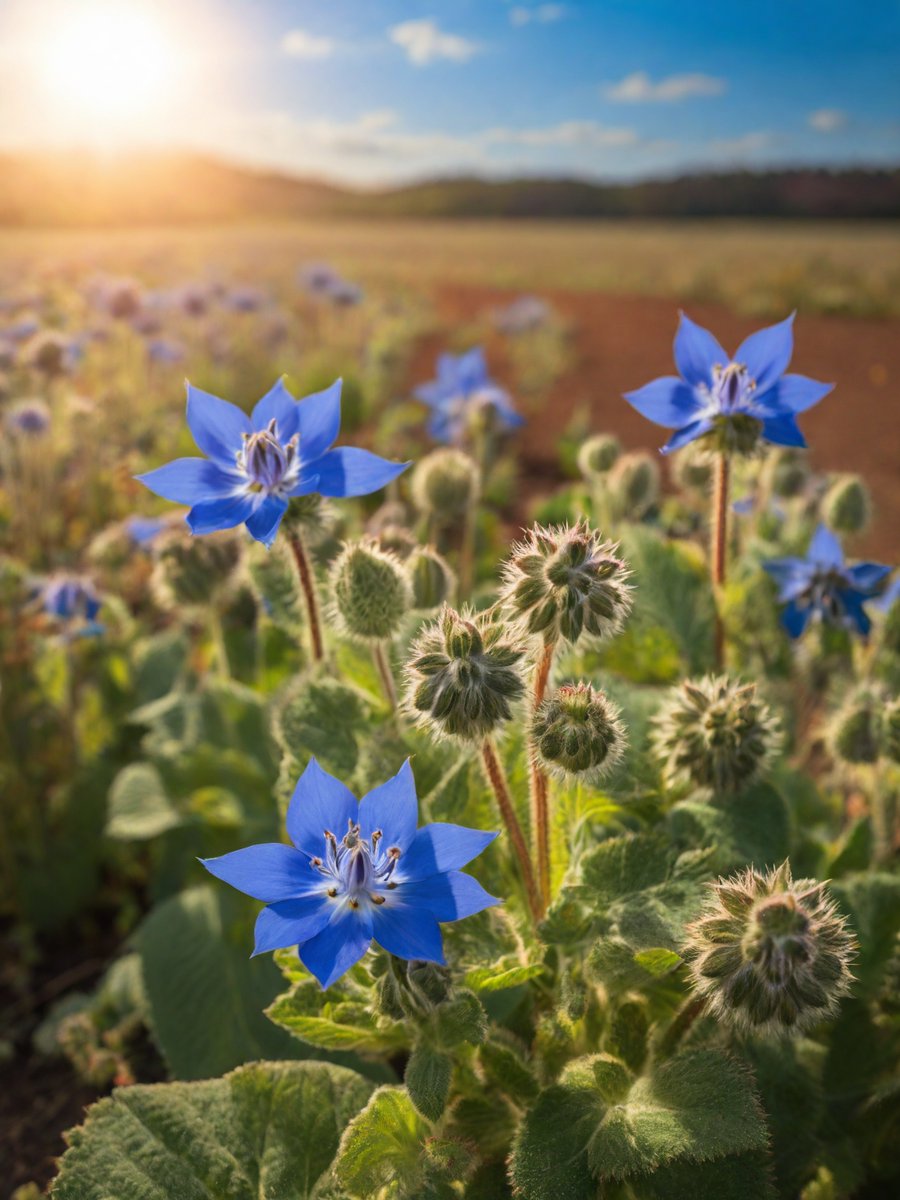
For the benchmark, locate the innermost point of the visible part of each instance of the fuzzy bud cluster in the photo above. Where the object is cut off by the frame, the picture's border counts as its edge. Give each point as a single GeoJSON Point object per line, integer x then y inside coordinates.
{"type": "Point", "coordinates": [563, 581]}
{"type": "Point", "coordinates": [370, 590]}
{"type": "Point", "coordinates": [634, 482]}
{"type": "Point", "coordinates": [193, 571]}
{"type": "Point", "coordinates": [847, 507]}
{"type": "Point", "coordinates": [577, 732]}
{"type": "Point", "coordinates": [463, 676]}
{"type": "Point", "coordinates": [787, 473]}
{"type": "Point", "coordinates": [445, 485]}
{"type": "Point", "coordinates": [865, 727]}
{"type": "Point", "coordinates": [714, 733]}
{"type": "Point", "coordinates": [770, 955]}
{"type": "Point", "coordinates": [598, 455]}
{"type": "Point", "coordinates": [430, 577]}
{"type": "Point", "coordinates": [692, 467]}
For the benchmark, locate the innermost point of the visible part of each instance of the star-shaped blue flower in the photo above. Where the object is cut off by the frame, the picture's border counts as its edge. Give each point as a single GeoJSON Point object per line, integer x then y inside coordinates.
{"type": "Point", "coordinates": [357, 872]}
{"type": "Point", "coordinates": [823, 584]}
{"type": "Point", "coordinates": [713, 392]}
{"type": "Point", "coordinates": [461, 390]}
{"type": "Point", "coordinates": [74, 602]}
{"type": "Point", "coordinates": [255, 464]}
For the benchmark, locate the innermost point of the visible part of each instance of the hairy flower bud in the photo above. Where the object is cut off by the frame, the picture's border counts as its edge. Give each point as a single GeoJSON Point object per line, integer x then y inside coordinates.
{"type": "Point", "coordinates": [768, 954]}
{"type": "Point", "coordinates": [445, 484]}
{"type": "Point", "coordinates": [310, 515]}
{"type": "Point", "coordinates": [430, 577]}
{"type": "Point", "coordinates": [714, 733]}
{"type": "Point", "coordinates": [635, 484]}
{"type": "Point", "coordinates": [598, 455]}
{"type": "Point", "coordinates": [855, 730]}
{"type": "Point", "coordinates": [787, 473]}
{"type": "Point", "coordinates": [274, 579]}
{"type": "Point", "coordinates": [463, 675]}
{"type": "Point", "coordinates": [692, 467]}
{"type": "Point", "coordinates": [370, 591]}
{"type": "Point", "coordinates": [562, 581]}
{"type": "Point", "coordinates": [195, 570]}
{"type": "Point", "coordinates": [577, 731]}
{"type": "Point", "coordinates": [847, 507]}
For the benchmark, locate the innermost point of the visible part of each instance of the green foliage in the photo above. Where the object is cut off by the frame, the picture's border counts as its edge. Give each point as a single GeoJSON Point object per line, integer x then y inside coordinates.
{"type": "Point", "coordinates": [236, 1136]}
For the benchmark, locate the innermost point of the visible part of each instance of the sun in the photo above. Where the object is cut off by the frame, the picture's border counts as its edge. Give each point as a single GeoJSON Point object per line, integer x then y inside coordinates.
{"type": "Point", "coordinates": [108, 65]}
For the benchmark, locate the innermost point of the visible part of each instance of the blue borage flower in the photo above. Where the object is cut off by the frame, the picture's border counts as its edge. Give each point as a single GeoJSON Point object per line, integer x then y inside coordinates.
{"type": "Point", "coordinates": [74, 602]}
{"type": "Point", "coordinates": [463, 388]}
{"type": "Point", "coordinates": [357, 872]}
{"type": "Point", "coordinates": [823, 584]}
{"type": "Point", "coordinates": [255, 464]}
{"type": "Point", "coordinates": [713, 392]}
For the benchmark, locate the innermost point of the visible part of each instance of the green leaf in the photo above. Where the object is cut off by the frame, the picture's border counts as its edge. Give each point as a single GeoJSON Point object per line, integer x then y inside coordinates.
{"type": "Point", "coordinates": [738, 1177]}
{"type": "Point", "coordinates": [657, 961]}
{"type": "Point", "coordinates": [699, 1105]}
{"type": "Point", "coordinates": [427, 1080]}
{"type": "Point", "coordinates": [267, 1131]}
{"type": "Point", "coordinates": [460, 1019]}
{"type": "Point", "coordinates": [498, 978]}
{"type": "Point", "coordinates": [621, 866]}
{"type": "Point", "coordinates": [314, 1018]}
{"type": "Point", "coordinates": [205, 993]}
{"type": "Point", "coordinates": [382, 1146]}
{"type": "Point", "coordinates": [591, 1126]}
{"type": "Point", "coordinates": [751, 828]}
{"type": "Point", "coordinates": [138, 805]}
{"type": "Point", "coordinates": [872, 902]}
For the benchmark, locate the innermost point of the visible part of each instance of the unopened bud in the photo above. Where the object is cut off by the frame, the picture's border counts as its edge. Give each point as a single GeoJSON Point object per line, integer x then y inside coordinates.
{"type": "Point", "coordinates": [193, 571]}
{"type": "Point", "coordinates": [445, 485]}
{"type": "Point", "coordinates": [847, 507]}
{"type": "Point", "coordinates": [634, 482]}
{"type": "Point", "coordinates": [598, 455]}
{"type": "Point", "coordinates": [430, 577]}
{"type": "Point", "coordinates": [577, 732]}
{"type": "Point", "coordinates": [371, 592]}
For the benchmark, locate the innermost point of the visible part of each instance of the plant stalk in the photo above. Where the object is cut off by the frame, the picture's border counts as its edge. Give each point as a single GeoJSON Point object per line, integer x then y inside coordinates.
{"type": "Point", "coordinates": [308, 587]}
{"type": "Point", "coordinates": [719, 549]}
{"type": "Point", "coordinates": [500, 788]}
{"type": "Point", "coordinates": [382, 662]}
{"type": "Point", "coordinates": [540, 805]}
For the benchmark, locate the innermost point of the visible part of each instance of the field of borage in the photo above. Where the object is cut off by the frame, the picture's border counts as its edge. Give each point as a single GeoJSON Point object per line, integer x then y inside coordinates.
{"type": "Point", "coordinates": [381, 820]}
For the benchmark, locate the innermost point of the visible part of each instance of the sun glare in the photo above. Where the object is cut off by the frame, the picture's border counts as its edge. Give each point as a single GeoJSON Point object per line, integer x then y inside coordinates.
{"type": "Point", "coordinates": [108, 65]}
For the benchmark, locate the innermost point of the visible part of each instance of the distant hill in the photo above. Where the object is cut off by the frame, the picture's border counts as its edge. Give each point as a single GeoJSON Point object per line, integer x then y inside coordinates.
{"type": "Point", "coordinates": [80, 189]}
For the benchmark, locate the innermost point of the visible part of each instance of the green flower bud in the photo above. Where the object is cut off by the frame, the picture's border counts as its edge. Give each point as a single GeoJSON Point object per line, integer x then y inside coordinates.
{"type": "Point", "coordinates": [371, 593]}
{"type": "Point", "coordinates": [562, 581]}
{"type": "Point", "coordinates": [734, 434]}
{"type": "Point", "coordinates": [445, 485]}
{"type": "Point", "coordinates": [692, 468]}
{"type": "Point", "coordinates": [787, 473]}
{"type": "Point", "coordinates": [714, 733]}
{"type": "Point", "coordinates": [312, 516]}
{"type": "Point", "coordinates": [634, 482]}
{"type": "Point", "coordinates": [462, 677]}
{"type": "Point", "coordinates": [847, 507]}
{"type": "Point", "coordinates": [194, 571]}
{"type": "Point", "coordinates": [598, 455]}
{"type": "Point", "coordinates": [856, 728]}
{"type": "Point", "coordinates": [273, 576]}
{"type": "Point", "coordinates": [768, 954]}
{"type": "Point", "coordinates": [577, 731]}
{"type": "Point", "coordinates": [891, 730]}
{"type": "Point", "coordinates": [389, 527]}
{"type": "Point", "coordinates": [430, 577]}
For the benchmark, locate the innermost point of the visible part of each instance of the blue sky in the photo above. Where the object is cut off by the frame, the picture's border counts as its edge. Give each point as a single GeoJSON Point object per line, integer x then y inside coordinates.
{"type": "Point", "coordinates": [375, 91]}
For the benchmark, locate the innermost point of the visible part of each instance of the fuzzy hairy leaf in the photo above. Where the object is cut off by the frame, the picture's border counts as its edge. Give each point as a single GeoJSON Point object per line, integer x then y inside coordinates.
{"type": "Point", "coordinates": [753, 827]}
{"type": "Point", "coordinates": [427, 1079]}
{"type": "Point", "coordinates": [382, 1145]}
{"type": "Point", "coordinates": [320, 1021]}
{"type": "Point", "coordinates": [267, 1131]}
{"type": "Point", "coordinates": [500, 977]}
{"type": "Point", "coordinates": [737, 1177]}
{"type": "Point", "coordinates": [205, 993]}
{"type": "Point", "coordinates": [138, 805]}
{"type": "Point", "coordinates": [621, 866]}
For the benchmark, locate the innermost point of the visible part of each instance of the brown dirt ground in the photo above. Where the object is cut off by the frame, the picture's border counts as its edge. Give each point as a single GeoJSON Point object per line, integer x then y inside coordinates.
{"type": "Point", "coordinates": [621, 342]}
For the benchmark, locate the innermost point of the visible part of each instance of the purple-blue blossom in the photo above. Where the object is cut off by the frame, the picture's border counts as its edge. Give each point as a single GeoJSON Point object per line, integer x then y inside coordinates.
{"type": "Point", "coordinates": [461, 390]}
{"type": "Point", "coordinates": [739, 399]}
{"type": "Point", "coordinates": [255, 464]}
{"type": "Point", "coordinates": [72, 600]}
{"type": "Point", "coordinates": [357, 872]}
{"type": "Point", "coordinates": [822, 584]}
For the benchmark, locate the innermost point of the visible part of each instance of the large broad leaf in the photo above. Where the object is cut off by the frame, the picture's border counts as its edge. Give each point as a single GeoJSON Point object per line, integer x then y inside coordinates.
{"type": "Point", "coordinates": [334, 1020]}
{"type": "Point", "coordinates": [741, 1177]}
{"type": "Point", "coordinates": [596, 1125]}
{"type": "Point", "coordinates": [751, 828]}
{"type": "Point", "coordinates": [268, 1131]}
{"type": "Point", "coordinates": [138, 805]}
{"type": "Point", "coordinates": [621, 866]}
{"type": "Point", "coordinates": [872, 901]}
{"type": "Point", "coordinates": [206, 995]}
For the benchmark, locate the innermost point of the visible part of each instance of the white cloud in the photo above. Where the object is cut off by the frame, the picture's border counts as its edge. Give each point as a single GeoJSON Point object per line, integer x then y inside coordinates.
{"type": "Point", "coordinates": [424, 42]}
{"type": "Point", "coordinates": [544, 14]}
{"type": "Point", "coordinates": [639, 88]}
{"type": "Point", "coordinates": [297, 43]}
{"type": "Point", "coordinates": [745, 145]}
{"type": "Point", "coordinates": [828, 120]}
{"type": "Point", "coordinates": [567, 133]}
